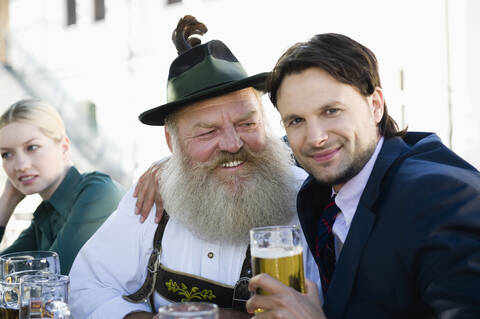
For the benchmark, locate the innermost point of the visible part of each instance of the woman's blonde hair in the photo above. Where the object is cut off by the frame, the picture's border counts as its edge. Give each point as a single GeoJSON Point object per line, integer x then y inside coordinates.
{"type": "Point", "coordinates": [37, 113]}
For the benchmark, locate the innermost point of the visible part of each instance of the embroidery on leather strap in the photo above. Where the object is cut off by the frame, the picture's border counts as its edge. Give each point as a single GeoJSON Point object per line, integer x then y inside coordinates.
{"type": "Point", "coordinates": [177, 286]}
{"type": "Point", "coordinates": [190, 294]}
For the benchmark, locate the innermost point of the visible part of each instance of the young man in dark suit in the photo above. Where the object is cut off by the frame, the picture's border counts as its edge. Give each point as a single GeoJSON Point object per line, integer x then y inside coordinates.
{"type": "Point", "coordinates": [393, 217]}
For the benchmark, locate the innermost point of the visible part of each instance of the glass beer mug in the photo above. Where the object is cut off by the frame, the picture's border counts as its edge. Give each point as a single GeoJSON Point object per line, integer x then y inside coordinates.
{"type": "Point", "coordinates": [188, 310]}
{"type": "Point", "coordinates": [10, 293]}
{"type": "Point", "coordinates": [278, 252]}
{"type": "Point", "coordinates": [46, 261]}
{"type": "Point", "coordinates": [9, 299]}
{"type": "Point", "coordinates": [44, 296]}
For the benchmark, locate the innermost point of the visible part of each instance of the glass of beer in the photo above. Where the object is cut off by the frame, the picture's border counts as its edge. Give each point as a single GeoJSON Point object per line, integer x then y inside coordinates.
{"type": "Point", "coordinates": [278, 252]}
{"type": "Point", "coordinates": [45, 261]}
{"type": "Point", "coordinates": [188, 310]}
{"type": "Point", "coordinates": [44, 296]}
{"type": "Point", "coordinates": [10, 294]}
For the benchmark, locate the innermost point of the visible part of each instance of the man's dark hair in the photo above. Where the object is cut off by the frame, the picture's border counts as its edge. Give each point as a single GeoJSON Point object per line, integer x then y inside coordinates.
{"type": "Point", "coordinates": [346, 60]}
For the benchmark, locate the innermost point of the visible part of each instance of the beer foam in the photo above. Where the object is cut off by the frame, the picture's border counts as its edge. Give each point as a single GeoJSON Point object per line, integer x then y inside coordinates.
{"type": "Point", "coordinates": [276, 252]}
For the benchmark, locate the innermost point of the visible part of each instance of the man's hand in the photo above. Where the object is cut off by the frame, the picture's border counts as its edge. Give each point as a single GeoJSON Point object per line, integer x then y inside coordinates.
{"type": "Point", "coordinates": [283, 301]}
{"type": "Point", "coordinates": [147, 193]}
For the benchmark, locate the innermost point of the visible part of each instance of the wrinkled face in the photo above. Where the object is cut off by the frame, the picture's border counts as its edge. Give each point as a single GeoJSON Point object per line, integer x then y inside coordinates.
{"type": "Point", "coordinates": [331, 127]}
{"type": "Point", "coordinates": [33, 162]}
{"type": "Point", "coordinates": [214, 133]}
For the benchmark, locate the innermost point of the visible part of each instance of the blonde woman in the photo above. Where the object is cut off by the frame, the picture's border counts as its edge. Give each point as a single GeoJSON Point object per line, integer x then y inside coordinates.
{"type": "Point", "coordinates": [35, 156]}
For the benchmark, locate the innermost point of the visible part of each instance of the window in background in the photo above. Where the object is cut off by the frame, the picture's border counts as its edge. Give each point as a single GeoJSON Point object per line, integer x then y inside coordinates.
{"type": "Point", "coordinates": [71, 12]}
{"type": "Point", "coordinates": [99, 10]}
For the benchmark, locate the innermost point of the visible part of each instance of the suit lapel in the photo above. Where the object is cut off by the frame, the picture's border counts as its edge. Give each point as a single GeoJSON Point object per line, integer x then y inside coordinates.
{"type": "Point", "coordinates": [309, 199]}
{"type": "Point", "coordinates": [345, 270]}
{"type": "Point", "coordinates": [362, 224]}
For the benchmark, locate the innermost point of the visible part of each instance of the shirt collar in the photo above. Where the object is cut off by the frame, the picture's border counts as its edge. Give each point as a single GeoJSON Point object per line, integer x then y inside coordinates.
{"type": "Point", "coordinates": [349, 195]}
{"type": "Point", "coordinates": [64, 196]}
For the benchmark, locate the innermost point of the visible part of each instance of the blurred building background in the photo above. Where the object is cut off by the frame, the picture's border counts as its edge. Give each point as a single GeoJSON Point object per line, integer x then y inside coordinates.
{"type": "Point", "coordinates": [103, 62]}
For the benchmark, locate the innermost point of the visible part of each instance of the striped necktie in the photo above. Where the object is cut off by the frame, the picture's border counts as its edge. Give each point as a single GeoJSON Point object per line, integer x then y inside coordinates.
{"type": "Point", "coordinates": [324, 244]}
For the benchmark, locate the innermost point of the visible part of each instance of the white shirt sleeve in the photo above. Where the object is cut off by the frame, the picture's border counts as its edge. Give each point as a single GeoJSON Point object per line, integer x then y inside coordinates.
{"type": "Point", "coordinates": [104, 269]}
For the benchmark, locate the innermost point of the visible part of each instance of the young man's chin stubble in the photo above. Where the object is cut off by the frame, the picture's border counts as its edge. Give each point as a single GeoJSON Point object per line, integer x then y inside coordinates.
{"type": "Point", "coordinates": [346, 172]}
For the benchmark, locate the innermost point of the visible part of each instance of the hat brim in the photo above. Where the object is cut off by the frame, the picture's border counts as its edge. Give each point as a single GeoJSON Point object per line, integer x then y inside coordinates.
{"type": "Point", "coordinates": [157, 115]}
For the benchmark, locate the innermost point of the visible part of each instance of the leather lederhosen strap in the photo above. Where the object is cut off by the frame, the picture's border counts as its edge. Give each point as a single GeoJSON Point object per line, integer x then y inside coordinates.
{"type": "Point", "coordinates": [177, 286]}
{"type": "Point", "coordinates": [148, 286]}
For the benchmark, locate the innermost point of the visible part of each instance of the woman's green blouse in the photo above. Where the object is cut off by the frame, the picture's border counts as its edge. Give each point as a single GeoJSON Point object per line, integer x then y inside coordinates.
{"type": "Point", "coordinates": [69, 218]}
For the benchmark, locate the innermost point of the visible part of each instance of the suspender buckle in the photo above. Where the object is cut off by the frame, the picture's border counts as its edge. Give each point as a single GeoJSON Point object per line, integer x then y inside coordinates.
{"type": "Point", "coordinates": [240, 294]}
{"type": "Point", "coordinates": [153, 262]}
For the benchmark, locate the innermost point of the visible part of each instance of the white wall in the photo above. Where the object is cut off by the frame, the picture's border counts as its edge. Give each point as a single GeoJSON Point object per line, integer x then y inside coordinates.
{"type": "Point", "coordinates": [122, 64]}
{"type": "Point", "coordinates": [465, 27]}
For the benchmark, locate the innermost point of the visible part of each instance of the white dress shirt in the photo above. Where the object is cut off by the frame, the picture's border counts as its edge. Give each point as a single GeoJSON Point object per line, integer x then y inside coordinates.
{"type": "Point", "coordinates": [348, 198]}
{"type": "Point", "coordinates": [114, 261]}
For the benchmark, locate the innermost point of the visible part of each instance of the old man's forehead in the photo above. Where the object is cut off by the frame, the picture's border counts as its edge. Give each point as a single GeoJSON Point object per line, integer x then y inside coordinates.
{"type": "Point", "coordinates": [245, 97]}
{"type": "Point", "coordinates": [232, 97]}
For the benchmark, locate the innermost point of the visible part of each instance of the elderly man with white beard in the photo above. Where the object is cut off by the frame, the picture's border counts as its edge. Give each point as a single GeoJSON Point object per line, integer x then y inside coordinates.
{"type": "Point", "coordinates": [227, 174]}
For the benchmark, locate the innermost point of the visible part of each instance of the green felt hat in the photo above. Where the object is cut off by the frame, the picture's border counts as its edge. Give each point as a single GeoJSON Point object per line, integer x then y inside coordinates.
{"type": "Point", "coordinates": [201, 71]}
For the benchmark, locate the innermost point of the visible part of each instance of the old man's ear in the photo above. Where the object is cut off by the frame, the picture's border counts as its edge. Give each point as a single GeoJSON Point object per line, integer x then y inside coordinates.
{"type": "Point", "coordinates": [168, 139]}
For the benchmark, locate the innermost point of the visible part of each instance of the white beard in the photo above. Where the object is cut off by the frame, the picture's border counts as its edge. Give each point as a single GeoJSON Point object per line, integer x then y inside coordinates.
{"type": "Point", "coordinates": [214, 210]}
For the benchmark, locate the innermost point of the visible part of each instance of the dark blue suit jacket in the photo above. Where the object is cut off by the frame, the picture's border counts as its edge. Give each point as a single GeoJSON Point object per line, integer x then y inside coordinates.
{"type": "Point", "coordinates": [413, 249]}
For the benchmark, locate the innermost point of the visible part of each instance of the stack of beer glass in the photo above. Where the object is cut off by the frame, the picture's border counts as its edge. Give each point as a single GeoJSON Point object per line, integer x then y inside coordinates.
{"type": "Point", "coordinates": [31, 286]}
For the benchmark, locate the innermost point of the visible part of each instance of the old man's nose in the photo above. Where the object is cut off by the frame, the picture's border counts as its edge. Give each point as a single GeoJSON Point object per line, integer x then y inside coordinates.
{"type": "Point", "coordinates": [230, 141]}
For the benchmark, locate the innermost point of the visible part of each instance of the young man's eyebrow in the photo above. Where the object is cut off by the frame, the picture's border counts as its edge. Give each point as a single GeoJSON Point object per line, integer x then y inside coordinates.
{"type": "Point", "coordinates": [289, 117]}
{"type": "Point", "coordinates": [325, 106]}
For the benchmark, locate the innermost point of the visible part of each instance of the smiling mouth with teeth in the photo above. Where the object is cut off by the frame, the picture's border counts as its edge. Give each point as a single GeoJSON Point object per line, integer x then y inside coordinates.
{"type": "Point", "coordinates": [232, 164]}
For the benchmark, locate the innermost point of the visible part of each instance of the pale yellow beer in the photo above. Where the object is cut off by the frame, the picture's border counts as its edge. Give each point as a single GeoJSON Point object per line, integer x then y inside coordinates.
{"type": "Point", "coordinates": [278, 252]}
{"type": "Point", "coordinates": [284, 265]}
